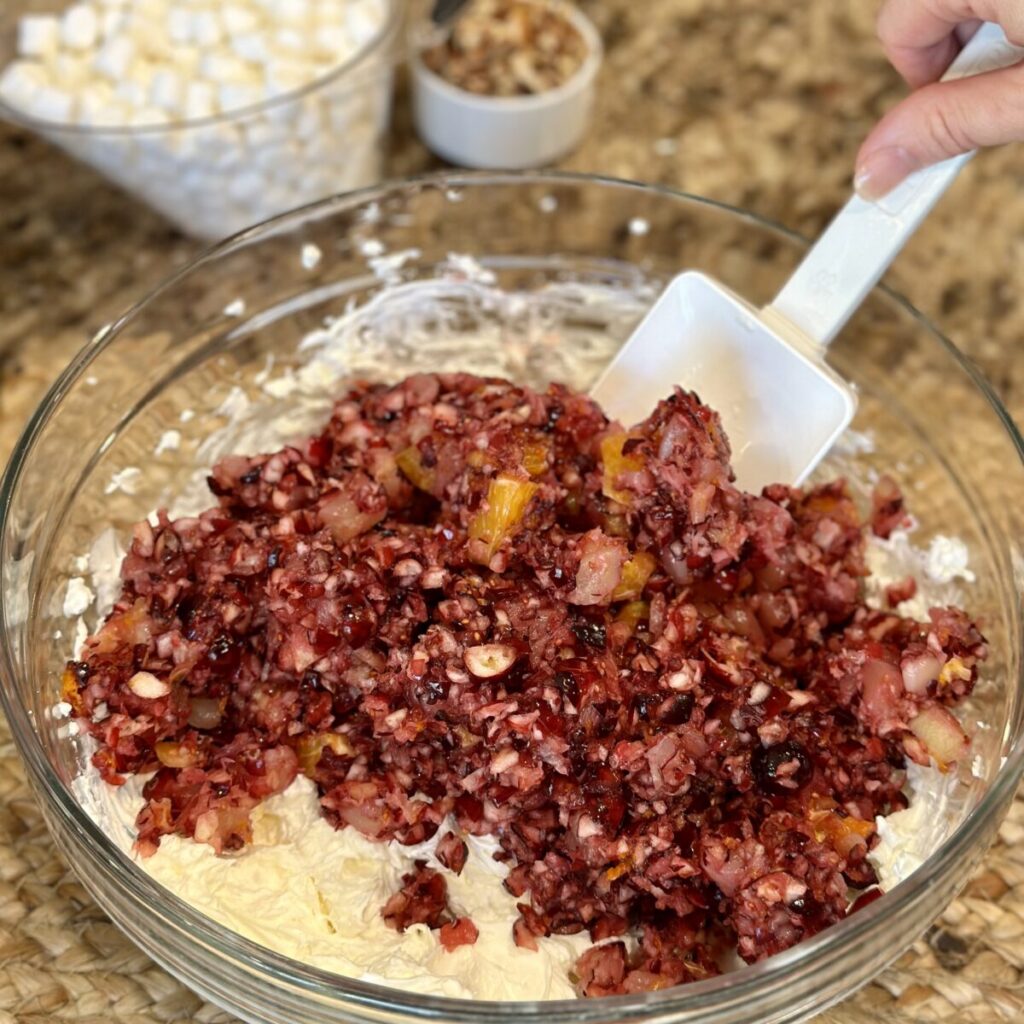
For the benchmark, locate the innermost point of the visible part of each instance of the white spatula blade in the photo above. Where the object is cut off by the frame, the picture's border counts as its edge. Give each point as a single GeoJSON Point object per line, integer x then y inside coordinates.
{"type": "Point", "coordinates": [781, 407]}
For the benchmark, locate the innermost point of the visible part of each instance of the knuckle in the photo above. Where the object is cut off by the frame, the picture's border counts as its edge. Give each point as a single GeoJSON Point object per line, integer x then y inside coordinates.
{"type": "Point", "coordinates": [946, 128]}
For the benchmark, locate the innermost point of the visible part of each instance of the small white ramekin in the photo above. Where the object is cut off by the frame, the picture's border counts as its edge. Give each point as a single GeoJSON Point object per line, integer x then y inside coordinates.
{"type": "Point", "coordinates": [506, 132]}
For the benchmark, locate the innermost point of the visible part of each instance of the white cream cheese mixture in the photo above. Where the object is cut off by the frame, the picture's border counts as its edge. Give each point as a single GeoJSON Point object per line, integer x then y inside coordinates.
{"type": "Point", "coordinates": [315, 895]}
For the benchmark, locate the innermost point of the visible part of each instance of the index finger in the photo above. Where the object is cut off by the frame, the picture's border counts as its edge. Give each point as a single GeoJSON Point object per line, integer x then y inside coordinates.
{"type": "Point", "coordinates": [920, 38]}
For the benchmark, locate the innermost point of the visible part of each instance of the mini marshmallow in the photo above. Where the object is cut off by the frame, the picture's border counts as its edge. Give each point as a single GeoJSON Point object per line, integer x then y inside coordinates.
{"type": "Point", "coordinates": [184, 148]}
{"type": "Point", "coordinates": [151, 39]}
{"type": "Point", "coordinates": [148, 10]}
{"type": "Point", "coordinates": [185, 60]}
{"type": "Point", "coordinates": [237, 95]}
{"type": "Point", "coordinates": [292, 152]}
{"type": "Point", "coordinates": [157, 171]}
{"type": "Point", "coordinates": [133, 92]}
{"type": "Point", "coordinates": [38, 35]}
{"type": "Point", "coordinates": [362, 23]}
{"type": "Point", "coordinates": [179, 25]}
{"type": "Point", "coordinates": [251, 46]}
{"type": "Point", "coordinates": [284, 75]}
{"type": "Point", "coordinates": [218, 66]}
{"type": "Point", "coordinates": [166, 90]}
{"type": "Point", "coordinates": [112, 20]}
{"type": "Point", "coordinates": [322, 67]}
{"type": "Point", "coordinates": [246, 187]}
{"type": "Point", "coordinates": [331, 40]}
{"type": "Point", "coordinates": [98, 104]}
{"type": "Point", "coordinates": [145, 117]}
{"type": "Point", "coordinates": [290, 12]}
{"type": "Point", "coordinates": [115, 58]}
{"type": "Point", "coordinates": [291, 40]}
{"type": "Point", "coordinates": [49, 104]}
{"type": "Point", "coordinates": [200, 100]}
{"type": "Point", "coordinates": [79, 27]}
{"type": "Point", "coordinates": [70, 72]}
{"type": "Point", "coordinates": [239, 20]}
{"type": "Point", "coordinates": [20, 80]}
{"type": "Point", "coordinates": [271, 158]}
{"type": "Point", "coordinates": [207, 30]}
{"type": "Point", "coordinates": [260, 134]}
{"type": "Point", "coordinates": [310, 122]}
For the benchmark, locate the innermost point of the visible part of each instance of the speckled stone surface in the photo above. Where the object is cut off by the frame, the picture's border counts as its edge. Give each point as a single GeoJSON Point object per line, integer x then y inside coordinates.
{"type": "Point", "coordinates": [758, 103]}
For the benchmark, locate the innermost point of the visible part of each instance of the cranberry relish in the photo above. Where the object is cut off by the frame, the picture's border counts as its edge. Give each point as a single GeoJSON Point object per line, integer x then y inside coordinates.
{"type": "Point", "coordinates": [664, 697]}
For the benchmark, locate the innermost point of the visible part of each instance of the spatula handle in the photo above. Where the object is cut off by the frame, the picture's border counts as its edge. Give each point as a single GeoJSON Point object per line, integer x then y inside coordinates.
{"type": "Point", "coordinates": [865, 237]}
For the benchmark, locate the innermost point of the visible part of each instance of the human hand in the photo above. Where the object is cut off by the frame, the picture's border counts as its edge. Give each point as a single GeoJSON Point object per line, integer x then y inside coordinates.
{"type": "Point", "coordinates": [940, 119]}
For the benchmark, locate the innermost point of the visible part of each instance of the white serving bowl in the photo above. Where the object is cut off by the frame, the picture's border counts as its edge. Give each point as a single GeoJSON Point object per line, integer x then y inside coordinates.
{"type": "Point", "coordinates": [505, 132]}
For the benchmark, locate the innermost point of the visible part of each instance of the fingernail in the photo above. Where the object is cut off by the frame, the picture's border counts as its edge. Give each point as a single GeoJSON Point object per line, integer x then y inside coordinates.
{"type": "Point", "coordinates": [881, 171]}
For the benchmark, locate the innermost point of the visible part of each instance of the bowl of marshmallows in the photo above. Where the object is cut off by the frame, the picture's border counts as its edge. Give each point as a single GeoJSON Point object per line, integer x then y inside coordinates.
{"type": "Point", "coordinates": [218, 113]}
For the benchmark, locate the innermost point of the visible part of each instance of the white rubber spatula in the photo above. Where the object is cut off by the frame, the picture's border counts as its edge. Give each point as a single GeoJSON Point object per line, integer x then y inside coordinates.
{"type": "Point", "coordinates": [764, 370]}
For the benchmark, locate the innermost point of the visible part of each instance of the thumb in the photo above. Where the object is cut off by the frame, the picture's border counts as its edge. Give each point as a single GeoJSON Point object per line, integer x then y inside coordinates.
{"type": "Point", "coordinates": [941, 121]}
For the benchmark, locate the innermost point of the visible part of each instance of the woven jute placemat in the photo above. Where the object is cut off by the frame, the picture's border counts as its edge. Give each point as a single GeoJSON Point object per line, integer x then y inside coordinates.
{"type": "Point", "coordinates": [759, 103]}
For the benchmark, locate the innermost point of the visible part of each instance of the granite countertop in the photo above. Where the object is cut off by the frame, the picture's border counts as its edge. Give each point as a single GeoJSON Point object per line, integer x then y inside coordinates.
{"type": "Point", "coordinates": [757, 103]}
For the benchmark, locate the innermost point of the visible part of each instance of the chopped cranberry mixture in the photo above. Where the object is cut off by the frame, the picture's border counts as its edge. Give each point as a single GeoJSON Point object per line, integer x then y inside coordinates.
{"type": "Point", "coordinates": [466, 601]}
{"type": "Point", "coordinates": [460, 932]}
{"type": "Point", "coordinates": [452, 852]}
{"type": "Point", "coordinates": [423, 899]}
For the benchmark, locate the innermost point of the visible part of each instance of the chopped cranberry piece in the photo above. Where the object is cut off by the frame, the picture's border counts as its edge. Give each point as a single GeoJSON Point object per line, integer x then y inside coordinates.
{"type": "Point", "coordinates": [460, 932]}
{"type": "Point", "coordinates": [865, 899]}
{"type": "Point", "coordinates": [602, 970]}
{"type": "Point", "coordinates": [423, 899]}
{"type": "Point", "coordinates": [590, 634]}
{"type": "Point", "coordinates": [888, 509]}
{"type": "Point", "coordinates": [523, 936]}
{"type": "Point", "coordinates": [678, 709]}
{"type": "Point", "coordinates": [784, 766]}
{"type": "Point", "coordinates": [452, 852]}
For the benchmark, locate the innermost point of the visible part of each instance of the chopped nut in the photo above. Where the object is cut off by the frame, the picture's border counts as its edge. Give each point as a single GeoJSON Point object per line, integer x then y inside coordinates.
{"type": "Point", "coordinates": [509, 48]}
{"type": "Point", "coordinates": [503, 761]}
{"type": "Point", "coordinates": [488, 660]}
{"type": "Point", "coordinates": [147, 685]}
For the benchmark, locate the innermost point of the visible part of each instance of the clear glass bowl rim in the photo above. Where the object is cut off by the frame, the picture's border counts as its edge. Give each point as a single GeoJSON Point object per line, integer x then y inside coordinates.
{"type": "Point", "coordinates": [750, 982]}
{"type": "Point", "coordinates": [384, 36]}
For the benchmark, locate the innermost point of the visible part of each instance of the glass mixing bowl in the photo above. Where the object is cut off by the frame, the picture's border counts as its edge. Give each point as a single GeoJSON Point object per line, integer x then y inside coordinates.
{"type": "Point", "coordinates": [215, 174]}
{"type": "Point", "coordinates": [212, 360]}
